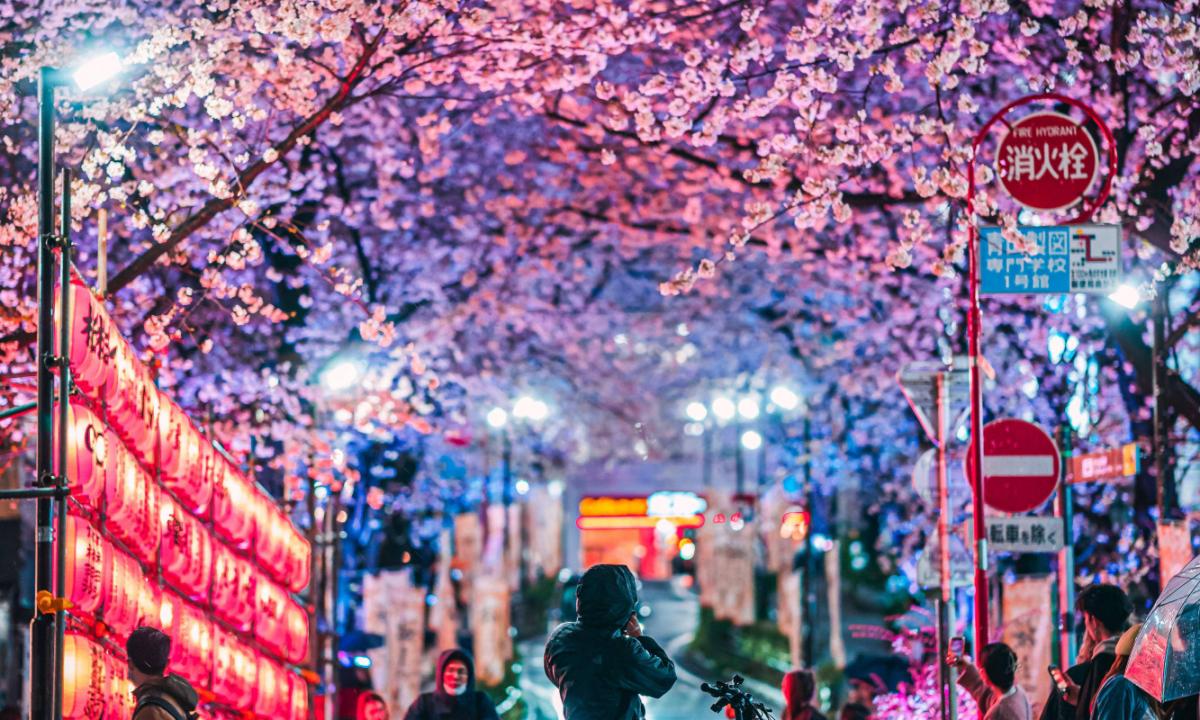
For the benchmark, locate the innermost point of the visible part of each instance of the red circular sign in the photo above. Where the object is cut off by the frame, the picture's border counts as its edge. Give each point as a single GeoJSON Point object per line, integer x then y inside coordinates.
{"type": "Point", "coordinates": [1021, 466]}
{"type": "Point", "coordinates": [1047, 161]}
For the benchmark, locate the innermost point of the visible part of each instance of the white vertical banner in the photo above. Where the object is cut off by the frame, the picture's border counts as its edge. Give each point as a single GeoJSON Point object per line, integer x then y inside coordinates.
{"type": "Point", "coordinates": [490, 624]}
{"type": "Point", "coordinates": [444, 614]}
{"type": "Point", "coordinates": [734, 572]}
{"type": "Point", "coordinates": [788, 611]}
{"type": "Point", "coordinates": [394, 609]}
{"type": "Point", "coordinates": [514, 551]}
{"type": "Point", "coordinates": [780, 549]}
{"type": "Point", "coordinates": [544, 523]}
{"type": "Point", "coordinates": [1028, 631]}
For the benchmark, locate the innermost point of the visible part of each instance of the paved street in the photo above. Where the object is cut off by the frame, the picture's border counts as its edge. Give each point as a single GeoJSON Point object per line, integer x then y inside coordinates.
{"type": "Point", "coordinates": [671, 624]}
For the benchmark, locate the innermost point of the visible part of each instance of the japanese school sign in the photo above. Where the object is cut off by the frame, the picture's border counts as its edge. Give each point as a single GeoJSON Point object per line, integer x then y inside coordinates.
{"type": "Point", "coordinates": [1054, 259]}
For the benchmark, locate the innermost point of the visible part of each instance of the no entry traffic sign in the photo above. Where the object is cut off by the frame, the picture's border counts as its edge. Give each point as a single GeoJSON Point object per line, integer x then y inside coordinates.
{"type": "Point", "coordinates": [1047, 161]}
{"type": "Point", "coordinates": [1020, 466]}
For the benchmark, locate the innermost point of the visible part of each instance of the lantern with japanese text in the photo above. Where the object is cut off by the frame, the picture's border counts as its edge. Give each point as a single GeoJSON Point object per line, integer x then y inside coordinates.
{"type": "Point", "coordinates": [235, 670]}
{"type": "Point", "coordinates": [270, 626]}
{"type": "Point", "coordinates": [122, 593]}
{"type": "Point", "coordinates": [233, 513]}
{"type": "Point", "coordinates": [271, 537]}
{"type": "Point", "coordinates": [299, 560]}
{"type": "Point", "coordinates": [121, 387]}
{"type": "Point", "coordinates": [85, 679]}
{"type": "Point", "coordinates": [150, 606]}
{"type": "Point", "coordinates": [120, 703]}
{"type": "Point", "coordinates": [186, 552]}
{"type": "Point", "coordinates": [91, 341]}
{"type": "Point", "coordinates": [89, 451]}
{"type": "Point", "coordinates": [131, 504]}
{"type": "Point", "coordinates": [274, 690]}
{"type": "Point", "coordinates": [87, 566]}
{"type": "Point", "coordinates": [295, 621]}
{"type": "Point", "coordinates": [232, 588]}
{"type": "Point", "coordinates": [180, 460]}
{"type": "Point", "coordinates": [299, 697]}
{"type": "Point", "coordinates": [192, 649]}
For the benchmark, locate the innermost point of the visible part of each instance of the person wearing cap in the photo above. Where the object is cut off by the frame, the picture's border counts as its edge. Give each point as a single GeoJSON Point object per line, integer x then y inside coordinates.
{"type": "Point", "coordinates": [602, 663]}
{"type": "Point", "coordinates": [160, 696]}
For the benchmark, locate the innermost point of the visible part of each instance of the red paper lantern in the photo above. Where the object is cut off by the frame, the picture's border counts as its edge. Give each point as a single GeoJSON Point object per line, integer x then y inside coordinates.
{"type": "Point", "coordinates": [271, 537]}
{"type": "Point", "coordinates": [89, 451]}
{"type": "Point", "coordinates": [235, 670]}
{"type": "Point", "coordinates": [150, 606]}
{"type": "Point", "coordinates": [132, 507]}
{"type": "Point", "coordinates": [299, 560]}
{"type": "Point", "coordinates": [281, 625]}
{"type": "Point", "coordinates": [186, 551]}
{"type": "Point", "coordinates": [120, 702]}
{"type": "Point", "coordinates": [233, 507]}
{"type": "Point", "coordinates": [232, 588]}
{"type": "Point", "coordinates": [122, 593]}
{"type": "Point", "coordinates": [85, 679]}
{"type": "Point", "coordinates": [274, 689]}
{"type": "Point", "coordinates": [87, 566]}
{"type": "Point", "coordinates": [296, 624]}
{"type": "Point", "coordinates": [183, 470]}
{"type": "Point", "coordinates": [91, 335]}
{"type": "Point", "coordinates": [299, 692]}
{"type": "Point", "coordinates": [192, 649]}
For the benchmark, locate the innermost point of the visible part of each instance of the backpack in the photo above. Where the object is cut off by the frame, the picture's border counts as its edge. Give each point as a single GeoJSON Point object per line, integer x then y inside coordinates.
{"type": "Point", "coordinates": [162, 704]}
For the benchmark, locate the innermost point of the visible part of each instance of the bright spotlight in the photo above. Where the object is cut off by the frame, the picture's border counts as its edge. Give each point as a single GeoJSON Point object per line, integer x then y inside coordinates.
{"type": "Point", "coordinates": [1126, 295]}
{"type": "Point", "coordinates": [751, 440]}
{"type": "Point", "coordinates": [724, 409]}
{"type": "Point", "coordinates": [529, 408]}
{"type": "Point", "coordinates": [696, 411]}
{"type": "Point", "coordinates": [748, 408]}
{"type": "Point", "coordinates": [342, 375]}
{"type": "Point", "coordinates": [497, 418]}
{"type": "Point", "coordinates": [96, 69]}
{"type": "Point", "coordinates": [784, 398]}
{"type": "Point", "coordinates": [522, 487]}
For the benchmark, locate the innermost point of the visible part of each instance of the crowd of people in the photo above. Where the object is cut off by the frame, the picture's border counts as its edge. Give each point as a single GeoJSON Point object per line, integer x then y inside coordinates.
{"type": "Point", "coordinates": [602, 665]}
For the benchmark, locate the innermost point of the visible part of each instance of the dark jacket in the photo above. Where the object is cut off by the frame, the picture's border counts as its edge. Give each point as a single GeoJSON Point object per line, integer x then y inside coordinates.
{"type": "Point", "coordinates": [441, 705]}
{"type": "Point", "coordinates": [1088, 675]}
{"type": "Point", "coordinates": [173, 690]}
{"type": "Point", "coordinates": [1120, 699]}
{"type": "Point", "coordinates": [600, 673]}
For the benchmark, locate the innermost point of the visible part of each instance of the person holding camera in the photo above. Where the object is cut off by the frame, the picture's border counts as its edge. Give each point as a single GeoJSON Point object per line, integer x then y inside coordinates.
{"type": "Point", "coordinates": [601, 663]}
{"type": "Point", "coordinates": [995, 689]}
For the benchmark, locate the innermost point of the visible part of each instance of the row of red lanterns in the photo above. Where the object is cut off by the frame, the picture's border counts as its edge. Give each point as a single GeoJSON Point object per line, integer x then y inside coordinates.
{"type": "Point", "coordinates": [159, 434]}
{"type": "Point", "coordinates": [95, 684]}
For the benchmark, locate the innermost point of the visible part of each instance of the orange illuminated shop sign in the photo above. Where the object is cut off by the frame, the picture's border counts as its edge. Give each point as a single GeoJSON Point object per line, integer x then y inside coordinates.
{"type": "Point", "coordinates": [613, 507]}
{"type": "Point", "coordinates": [633, 522]}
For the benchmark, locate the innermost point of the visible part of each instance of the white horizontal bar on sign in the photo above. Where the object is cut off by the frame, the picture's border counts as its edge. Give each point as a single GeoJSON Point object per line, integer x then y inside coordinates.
{"type": "Point", "coordinates": [1018, 465]}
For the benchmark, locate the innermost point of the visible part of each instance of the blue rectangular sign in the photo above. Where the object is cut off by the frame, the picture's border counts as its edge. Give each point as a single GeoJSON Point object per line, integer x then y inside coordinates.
{"type": "Point", "coordinates": [1006, 268]}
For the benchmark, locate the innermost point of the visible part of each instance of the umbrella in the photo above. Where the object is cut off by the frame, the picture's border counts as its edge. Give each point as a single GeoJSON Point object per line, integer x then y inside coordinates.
{"type": "Point", "coordinates": [1166, 656]}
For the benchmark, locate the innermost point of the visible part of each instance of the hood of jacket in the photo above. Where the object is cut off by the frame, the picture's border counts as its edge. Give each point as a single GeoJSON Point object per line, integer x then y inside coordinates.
{"type": "Point", "coordinates": [606, 597]}
{"type": "Point", "coordinates": [173, 688]}
{"type": "Point", "coordinates": [444, 660]}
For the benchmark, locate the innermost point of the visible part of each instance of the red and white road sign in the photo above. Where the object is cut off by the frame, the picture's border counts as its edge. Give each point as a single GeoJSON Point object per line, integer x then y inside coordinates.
{"type": "Point", "coordinates": [1047, 161]}
{"type": "Point", "coordinates": [1021, 465]}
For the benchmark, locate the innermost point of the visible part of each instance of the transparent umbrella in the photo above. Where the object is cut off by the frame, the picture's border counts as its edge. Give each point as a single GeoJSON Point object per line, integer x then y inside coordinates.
{"type": "Point", "coordinates": [1166, 657]}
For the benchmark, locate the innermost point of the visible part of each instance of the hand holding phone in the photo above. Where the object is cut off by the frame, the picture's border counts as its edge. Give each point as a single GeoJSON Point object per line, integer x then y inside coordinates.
{"type": "Point", "coordinates": [1060, 678]}
{"type": "Point", "coordinates": [957, 645]}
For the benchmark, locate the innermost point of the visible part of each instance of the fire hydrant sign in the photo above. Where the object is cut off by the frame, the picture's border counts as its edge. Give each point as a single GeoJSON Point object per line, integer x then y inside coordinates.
{"type": "Point", "coordinates": [1021, 466]}
{"type": "Point", "coordinates": [1047, 161]}
{"type": "Point", "coordinates": [1054, 259]}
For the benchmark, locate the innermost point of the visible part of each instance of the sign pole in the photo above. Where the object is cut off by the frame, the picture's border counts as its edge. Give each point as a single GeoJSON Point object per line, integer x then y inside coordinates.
{"type": "Point", "coordinates": [1064, 508]}
{"type": "Point", "coordinates": [975, 330]}
{"type": "Point", "coordinates": [945, 616]}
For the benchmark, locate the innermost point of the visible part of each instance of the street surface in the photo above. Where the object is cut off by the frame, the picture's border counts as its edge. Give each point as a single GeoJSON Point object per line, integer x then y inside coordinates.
{"type": "Point", "coordinates": [672, 623]}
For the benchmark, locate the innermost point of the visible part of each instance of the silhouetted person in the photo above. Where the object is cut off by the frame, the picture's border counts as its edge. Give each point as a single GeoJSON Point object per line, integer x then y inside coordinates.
{"type": "Point", "coordinates": [1105, 610]}
{"type": "Point", "coordinates": [160, 696]}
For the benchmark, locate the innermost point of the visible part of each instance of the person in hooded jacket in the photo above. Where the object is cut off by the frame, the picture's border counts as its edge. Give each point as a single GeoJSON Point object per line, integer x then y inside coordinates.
{"type": "Point", "coordinates": [601, 663]}
{"type": "Point", "coordinates": [455, 696]}
{"type": "Point", "coordinates": [160, 696]}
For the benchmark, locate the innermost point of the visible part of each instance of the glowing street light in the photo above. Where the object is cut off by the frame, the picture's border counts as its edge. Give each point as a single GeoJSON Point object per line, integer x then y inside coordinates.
{"type": "Point", "coordinates": [529, 408]}
{"type": "Point", "coordinates": [696, 411]}
{"type": "Point", "coordinates": [784, 399]}
{"type": "Point", "coordinates": [724, 409]}
{"type": "Point", "coordinates": [751, 440]}
{"type": "Point", "coordinates": [342, 375]}
{"type": "Point", "coordinates": [1126, 295]}
{"type": "Point", "coordinates": [497, 418]}
{"type": "Point", "coordinates": [97, 70]}
{"type": "Point", "coordinates": [748, 408]}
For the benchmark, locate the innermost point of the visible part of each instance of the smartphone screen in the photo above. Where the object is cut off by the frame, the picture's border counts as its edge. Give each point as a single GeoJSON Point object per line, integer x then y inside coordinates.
{"type": "Point", "coordinates": [957, 644]}
{"type": "Point", "coordinates": [1059, 678]}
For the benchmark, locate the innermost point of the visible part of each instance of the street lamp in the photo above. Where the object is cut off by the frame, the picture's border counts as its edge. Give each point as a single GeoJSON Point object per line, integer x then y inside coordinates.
{"type": "Point", "coordinates": [784, 399]}
{"type": "Point", "coordinates": [724, 409]}
{"type": "Point", "coordinates": [343, 374]}
{"type": "Point", "coordinates": [752, 440]}
{"type": "Point", "coordinates": [497, 418]}
{"type": "Point", "coordinates": [696, 411]}
{"type": "Point", "coordinates": [529, 408]}
{"type": "Point", "coordinates": [748, 408]}
{"type": "Point", "coordinates": [48, 627]}
{"type": "Point", "coordinates": [1126, 295]}
{"type": "Point", "coordinates": [97, 70]}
